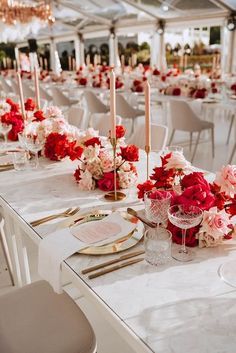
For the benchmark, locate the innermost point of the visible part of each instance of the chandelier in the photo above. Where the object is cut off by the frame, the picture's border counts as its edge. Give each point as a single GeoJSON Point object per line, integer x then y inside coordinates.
{"type": "Point", "coordinates": [13, 11]}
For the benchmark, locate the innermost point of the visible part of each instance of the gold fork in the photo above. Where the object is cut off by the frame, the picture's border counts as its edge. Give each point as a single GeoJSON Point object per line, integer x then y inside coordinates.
{"type": "Point", "coordinates": [67, 213]}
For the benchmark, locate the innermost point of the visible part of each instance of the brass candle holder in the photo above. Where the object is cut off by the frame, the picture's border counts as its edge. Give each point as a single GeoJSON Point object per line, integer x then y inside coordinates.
{"type": "Point", "coordinates": [147, 150]}
{"type": "Point", "coordinates": [114, 195]}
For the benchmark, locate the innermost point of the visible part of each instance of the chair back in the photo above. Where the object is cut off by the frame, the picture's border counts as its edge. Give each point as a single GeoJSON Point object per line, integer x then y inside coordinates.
{"type": "Point", "coordinates": [15, 87]}
{"type": "Point", "coordinates": [6, 87]}
{"type": "Point", "coordinates": [76, 117]}
{"type": "Point", "coordinates": [44, 94]}
{"type": "Point", "coordinates": [101, 122]}
{"type": "Point", "coordinates": [28, 92]}
{"type": "Point", "coordinates": [94, 104]}
{"type": "Point", "coordinates": [159, 134]}
{"type": "Point", "coordinates": [183, 117]}
{"type": "Point", "coordinates": [123, 108]}
{"type": "Point", "coordinates": [59, 98]}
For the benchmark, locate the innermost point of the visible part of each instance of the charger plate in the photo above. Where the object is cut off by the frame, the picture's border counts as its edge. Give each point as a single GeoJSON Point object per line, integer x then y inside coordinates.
{"type": "Point", "coordinates": [124, 243]}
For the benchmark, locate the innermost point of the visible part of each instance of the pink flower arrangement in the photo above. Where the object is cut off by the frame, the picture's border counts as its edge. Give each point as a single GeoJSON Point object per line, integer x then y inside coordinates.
{"type": "Point", "coordinates": [98, 163]}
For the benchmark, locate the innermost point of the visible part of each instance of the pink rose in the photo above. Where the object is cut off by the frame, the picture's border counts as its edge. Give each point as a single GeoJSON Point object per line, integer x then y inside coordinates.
{"type": "Point", "coordinates": [215, 222]}
{"type": "Point", "coordinates": [226, 179]}
{"type": "Point", "coordinates": [177, 161]}
{"type": "Point", "coordinates": [86, 181]}
{"type": "Point", "coordinates": [54, 112]}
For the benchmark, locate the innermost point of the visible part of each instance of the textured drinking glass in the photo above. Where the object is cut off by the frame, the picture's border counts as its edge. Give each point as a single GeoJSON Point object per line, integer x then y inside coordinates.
{"type": "Point", "coordinates": [157, 246]}
{"type": "Point", "coordinates": [4, 129]}
{"type": "Point", "coordinates": [34, 145]}
{"type": "Point", "coordinates": [184, 217]}
{"type": "Point", "coordinates": [157, 209]}
{"type": "Point", "coordinates": [19, 160]}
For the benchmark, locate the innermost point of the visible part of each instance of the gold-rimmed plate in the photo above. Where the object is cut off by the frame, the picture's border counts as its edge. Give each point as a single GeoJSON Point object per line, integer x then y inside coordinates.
{"type": "Point", "coordinates": [122, 244]}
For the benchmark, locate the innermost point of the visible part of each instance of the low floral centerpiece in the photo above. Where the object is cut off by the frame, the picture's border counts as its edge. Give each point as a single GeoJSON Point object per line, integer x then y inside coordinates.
{"type": "Point", "coordinates": [217, 199]}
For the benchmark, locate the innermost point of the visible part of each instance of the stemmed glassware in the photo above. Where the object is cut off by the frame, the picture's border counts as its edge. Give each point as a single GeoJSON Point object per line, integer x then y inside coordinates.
{"type": "Point", "coordinates": [5, 129]}
{"type": "Point", "coordinates": [156, 206]}
{"type": "Point", "coordinates": [32, 144]}
{"type": "Point", "coordinates": [227, 272]}
{"type": "Point", "coordinates": [184, 217]}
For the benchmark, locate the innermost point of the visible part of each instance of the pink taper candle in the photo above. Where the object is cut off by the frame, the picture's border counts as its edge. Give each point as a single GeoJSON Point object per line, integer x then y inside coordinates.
{"type": "Point", "coordinates": [147, 115]}
{"type": "Point", "coordinates": [36, 82]}
{"type": "Point", "coordinates": [113, 103]}
{"type": "Point", "coordinates": [22, 104]}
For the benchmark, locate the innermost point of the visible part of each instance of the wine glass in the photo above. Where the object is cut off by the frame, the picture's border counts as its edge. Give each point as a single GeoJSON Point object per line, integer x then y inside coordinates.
{"type": "Point", "coordinates": [157, 204]}
{"type": "Point", "coordinates": [227, 272]}
{"type": "Point", "coordinates": [5, 129]}
{"type": "Point", "coordinates": [33, 145]}
{"type": "Point", "coordinates": [178, 149]}
{"type": "Point", "coordinates": [184, 217]}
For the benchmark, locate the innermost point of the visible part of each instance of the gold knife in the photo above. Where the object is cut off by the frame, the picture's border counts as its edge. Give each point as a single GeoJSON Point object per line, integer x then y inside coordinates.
{"type": "Point", "coordinates": [114, 268]}
{"type": "Point", "coordinates": [111, 262]}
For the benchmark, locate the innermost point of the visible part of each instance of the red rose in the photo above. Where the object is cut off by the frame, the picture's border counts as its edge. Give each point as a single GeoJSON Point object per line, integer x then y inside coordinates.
{"type": "Point", "coordinates": [83, 81]}
{"type": "Point", "coordinates": [39, 115]}
{"type": "Point", "coordinates": [138, 88]}
{"type": "Point", "coordinates": [214, 90]}
{"type": "Point", "coordinates": [130, 153]}
{"type": "Point", "coordinates": [92, 142]}
{"type": "Point", "coordinates": [107, 182]}
{"type": "Point", "coordinates": [16, 121]}
{"type": "Point", "coordinates": [177, 235]}
{"type": "Point", "coordinates": [195, 178]}
{"type": "Point", "coordinates": [163, 178]}
{"type": "Point", "coordinates": [14, 106]}
{"type": "Point", "coordinates": [142, 188]}
{"type": "Point", "coordinates": [30, 105]}
{"type": "Point", "coordinates": [163, 78]}
{"type": "Point", "coordinates": [200, 93]}
{"type": "Point", "coordinates": [196, 195]}
{"type": "Point", "coordinates": [144, 78]}
{"type": "Point", "coordinates": [176, 91]}
{"type": "Point", "coordinates": [233, 87]}
{"type": "Point", "coordinates": [120, 131]}
{"type": "Point", "coordinates": [73, 151]}
{"type": "Point", "coordinates": [156, 72]}
{"type": "Point", "coordinates": [119, 84]}
{"type": "Point", "coordinates": [137, 83]}
{"type": "Point", "coordinates": [58, 147]}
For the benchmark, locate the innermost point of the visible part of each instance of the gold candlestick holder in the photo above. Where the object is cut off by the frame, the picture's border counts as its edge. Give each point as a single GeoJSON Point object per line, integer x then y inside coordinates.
{"type": "Point", "coordinates": [147, 150]}
{"type": "Point", "coordinates": [114, 195]}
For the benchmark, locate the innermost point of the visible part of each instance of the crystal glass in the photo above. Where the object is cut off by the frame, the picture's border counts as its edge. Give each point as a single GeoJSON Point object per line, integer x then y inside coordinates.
{"type": "Point", "coordinates": [227, 272]}
{"type": "Point", "coordinates": [20, 160]}
{"type": "Point", "coordinates": [157, 205]}
{"type": "Point", "coordinates": [184, 217]}
{"type": "Point", "coordinates": [34, 145]}
{"type": "Point", "coordinates": [157, 246]}
{"type": "Point", "coordinates": [5, 129]}
{"type": "Point", "coordinates": [169, 149]}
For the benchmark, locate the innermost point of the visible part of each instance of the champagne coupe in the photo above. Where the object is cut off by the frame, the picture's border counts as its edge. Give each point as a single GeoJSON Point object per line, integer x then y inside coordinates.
{"type": "Point", "coordinates": [184, 217]}
{"type": "Point", "coordinates": [5, 129]}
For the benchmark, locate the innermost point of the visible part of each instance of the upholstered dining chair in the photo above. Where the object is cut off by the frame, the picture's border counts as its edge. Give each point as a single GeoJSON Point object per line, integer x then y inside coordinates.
{"type": "Point", "coordinates": [159, 135]}
{"type": "Point", "coordinates": [76, 117]}
{"type": "Point", "coordinates": [183, 118]}
{"type": "Point", "coordinates": [34, 319]}
{"type": "Point", "coordinates": [94, 104]}
{"type": "Point", "coordinates": [60, 99]}
{"type": "Point", "coordinates": [101, 122]}
{"type": "Point", "coordinates": [6, 87]}
{"type": "Point", "coordinates": [44, 94]}
{"type": "Point", "coordinates": [28, 92]}
{"type": "Point", "coordinates": [126, 111]}
{"type": "Point", "coordinates": [14, 86]}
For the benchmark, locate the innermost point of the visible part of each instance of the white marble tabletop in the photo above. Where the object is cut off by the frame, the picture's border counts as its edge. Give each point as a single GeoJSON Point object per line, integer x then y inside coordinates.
{"type": "Point", "coordinates": [176, 308]}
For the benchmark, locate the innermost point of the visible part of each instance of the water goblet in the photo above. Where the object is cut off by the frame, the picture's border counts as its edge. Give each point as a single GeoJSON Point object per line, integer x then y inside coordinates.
{"type": "Point", "coordinates": [178, 149]}
{"type": "Point", "coordinates": [157, 204]}
{"type": "Point", "coordinates": [4, 130]}
{"type": "Point", "coordinates": [184, 217]}
{"type": "Point", "coordinates": [33, 145]}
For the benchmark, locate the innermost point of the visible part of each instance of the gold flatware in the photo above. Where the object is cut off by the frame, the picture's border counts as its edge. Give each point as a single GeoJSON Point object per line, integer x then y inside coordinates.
{"type": "Point", "coordinates": [6, 168]}
{"type": "Point", "coordinates": [145, 221]}
{"type": "Point", "coordinates": [111, 262]}
{"type": "Point", "coordinates": [67, 213]}
{"type": "Point", "coordinates": [114, 268]}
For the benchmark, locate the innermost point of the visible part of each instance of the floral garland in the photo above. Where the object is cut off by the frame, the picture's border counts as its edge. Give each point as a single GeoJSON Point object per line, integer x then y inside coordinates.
{"type": "Point", "coordinates": [217, 200]}
{"type": "Point", "coordinates": [96, 167]}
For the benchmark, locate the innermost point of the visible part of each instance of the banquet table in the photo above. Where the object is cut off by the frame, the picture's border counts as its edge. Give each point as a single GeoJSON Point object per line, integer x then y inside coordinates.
{"type": "Point", "coordinates": [173, 308]}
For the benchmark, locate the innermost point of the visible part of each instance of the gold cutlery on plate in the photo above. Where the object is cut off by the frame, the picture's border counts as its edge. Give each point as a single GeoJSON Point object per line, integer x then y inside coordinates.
{"type": "Point", "coordinates": [67, 213]}
{"type": "Point", "coordinates": [114, 268]}
{"type": "Point", "coordinates": [134, 213]}
{"type": "Point", "coordinates": [111, 262]}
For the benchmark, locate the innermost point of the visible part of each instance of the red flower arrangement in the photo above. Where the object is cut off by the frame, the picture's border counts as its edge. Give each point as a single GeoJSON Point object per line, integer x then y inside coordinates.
{"type": "Point", "coordinates": [30, 105]}
{"type": "Point", "coordinates": [39, 116]}
{"type": "Point", "coordinates": [13, 118]}
{"type": "Point", "coordinates": [58, 146]}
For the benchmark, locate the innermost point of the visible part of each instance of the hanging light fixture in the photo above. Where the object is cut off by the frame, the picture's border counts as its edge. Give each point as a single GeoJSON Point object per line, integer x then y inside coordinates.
{"type": "Point", "coordinates": [231, 22]}
{"type": "Point", "coordinates": [14, 11]}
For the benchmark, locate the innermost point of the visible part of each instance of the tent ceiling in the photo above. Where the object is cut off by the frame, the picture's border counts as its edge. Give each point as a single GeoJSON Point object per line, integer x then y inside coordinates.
{"type": "Point", "coordinates": [73, 16]}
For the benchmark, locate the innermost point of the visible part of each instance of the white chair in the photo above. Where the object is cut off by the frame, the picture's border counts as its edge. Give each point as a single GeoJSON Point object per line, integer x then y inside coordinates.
{"type": "Point", "coordinates": [101, 122]}
{"type": "Point", "coordinates": [76, 117]}
{"type": "Point", "coordinates": [184, 119]}
{"type": "Point", "coordinates": [6, 253]}
{"type": "Point", "coordinates": [126, 111]}
{"type": "Point", "coordinates": [232, 154]}
{"type": "Point", "coordinates": [60, 99]}
{"type": "Point", "coordinates": [15, 87]}
{"type": "Point", "coordinates": [44, 94]}
{"type": "Point", "coordinates": [34, 319]}
{"type": "Point", "coordinates": [28, 92]}
{"type": "Point", "coordinates": [94, 105]}
{"type": "Point", "coordinates": [6, 87]}
{"type": "Point", "coordinates": [159, 135]}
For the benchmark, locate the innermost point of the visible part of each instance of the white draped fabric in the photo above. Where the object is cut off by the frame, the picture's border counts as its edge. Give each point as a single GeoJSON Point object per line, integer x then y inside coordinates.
{"type": "Point", "coordinates": [158, 56]}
